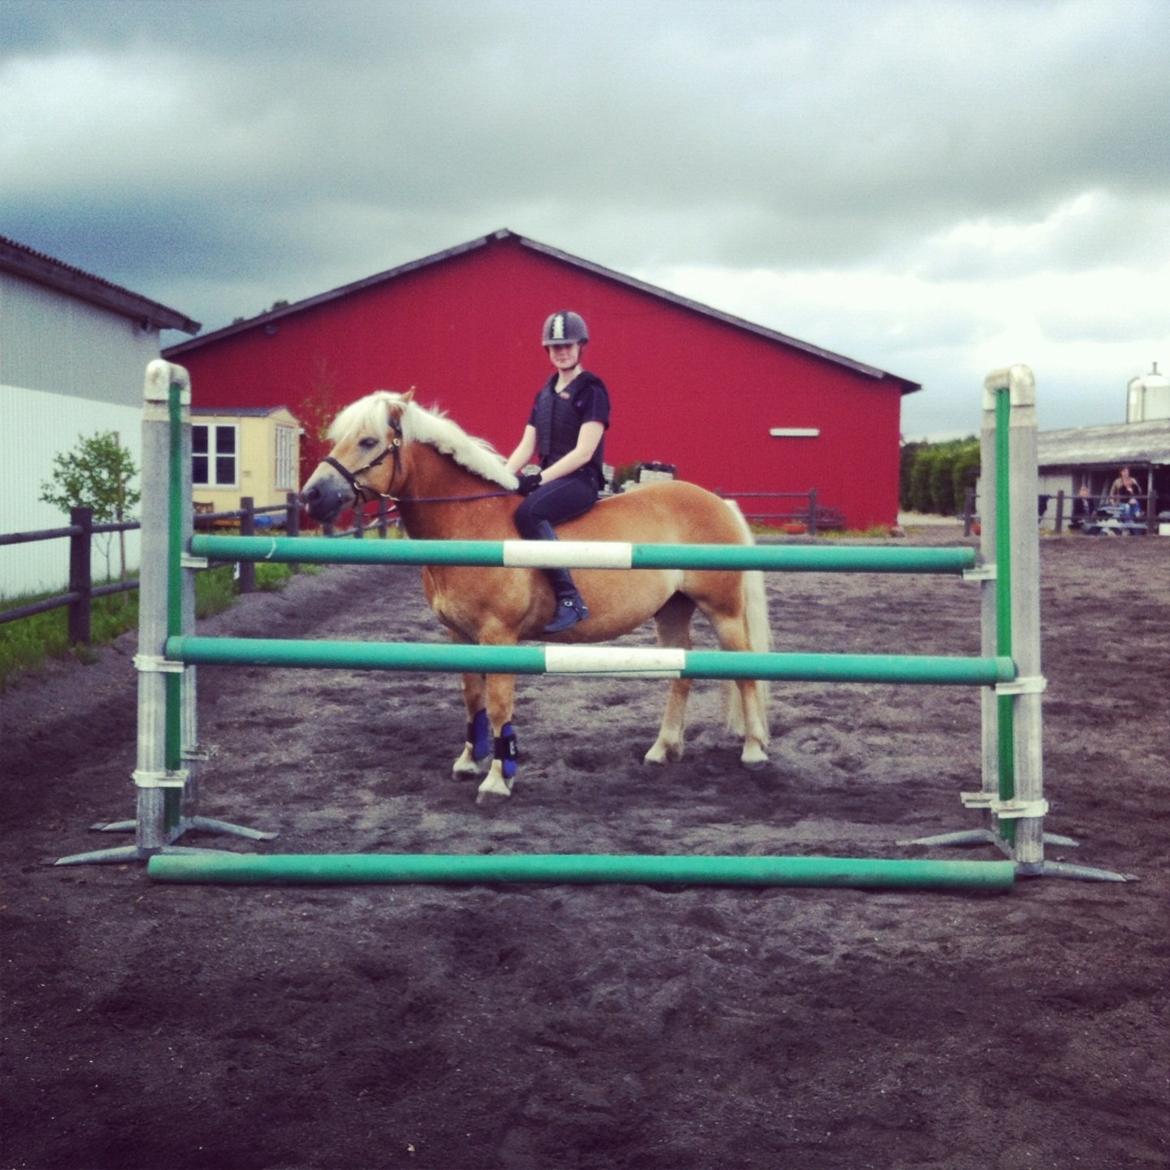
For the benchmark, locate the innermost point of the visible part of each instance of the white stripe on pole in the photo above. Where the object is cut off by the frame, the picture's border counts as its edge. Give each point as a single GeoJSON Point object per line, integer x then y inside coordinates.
{"type": "Point", "coordinates": [569, 554]}
{"type": "Point", "coordinates": [635, 661]}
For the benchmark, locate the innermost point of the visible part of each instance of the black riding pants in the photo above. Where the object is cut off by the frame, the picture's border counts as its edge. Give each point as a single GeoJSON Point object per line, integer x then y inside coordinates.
{"type": "Point", "coordinates": [556, 502]}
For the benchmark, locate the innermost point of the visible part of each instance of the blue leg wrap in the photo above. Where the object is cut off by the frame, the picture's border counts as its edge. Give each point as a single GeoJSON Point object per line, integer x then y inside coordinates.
{"type": "Point", "coordinates": [479, 735]}
{"type": "Point", "coordinates": [506, 751]}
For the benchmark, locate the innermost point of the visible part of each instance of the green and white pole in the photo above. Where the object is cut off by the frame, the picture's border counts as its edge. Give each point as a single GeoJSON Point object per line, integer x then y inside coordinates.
{"type": "Point", "coordinates": [570, 554]}
{"type": "Point", "coordinates": [611, 661]}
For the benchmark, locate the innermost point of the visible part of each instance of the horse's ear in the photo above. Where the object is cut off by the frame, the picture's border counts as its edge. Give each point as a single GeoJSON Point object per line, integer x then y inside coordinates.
{"type": "Point", "coordinates": [408, 396]}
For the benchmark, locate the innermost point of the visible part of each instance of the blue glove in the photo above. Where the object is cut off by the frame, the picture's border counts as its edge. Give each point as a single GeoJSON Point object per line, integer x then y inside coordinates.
{"type": "Point", "coordinates": [528, 483]}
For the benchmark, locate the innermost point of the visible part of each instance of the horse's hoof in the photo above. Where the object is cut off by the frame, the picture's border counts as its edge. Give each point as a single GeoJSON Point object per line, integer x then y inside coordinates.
{"type": "Point", "coordinates": [663, 753]}
{"type": "Point", "coordinates": [492, 789]}
{"type": "Point", "coordinates": [753, 763]}
{"type": "Point", "coordinates": [466, 766]}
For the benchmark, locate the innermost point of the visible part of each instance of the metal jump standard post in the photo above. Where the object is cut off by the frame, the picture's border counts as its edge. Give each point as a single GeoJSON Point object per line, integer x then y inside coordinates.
{"type": "Point", "coordinates": [1012, 791]}
{"type": "Point", "coordinates": [168, 754]}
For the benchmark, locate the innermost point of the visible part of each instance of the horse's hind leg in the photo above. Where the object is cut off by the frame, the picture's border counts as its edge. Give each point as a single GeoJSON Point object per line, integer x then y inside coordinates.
{"type": "Point", "coordinates": [673, 622]}
{"type": "Point", "coordinates": [750, 716]}
{"type": "Point", "coordinates": [740, 623]}
{"type": "Point", "coordinates": [478, 745]}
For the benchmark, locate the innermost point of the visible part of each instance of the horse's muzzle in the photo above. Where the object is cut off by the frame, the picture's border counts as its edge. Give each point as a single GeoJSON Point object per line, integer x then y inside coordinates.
{"type": "Point", "coordinates": [325, 494]}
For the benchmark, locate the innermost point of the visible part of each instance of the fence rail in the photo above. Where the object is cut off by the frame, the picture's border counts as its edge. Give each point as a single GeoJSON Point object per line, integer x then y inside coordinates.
{"type": "Point", "coordinates": [813, 516]}
{"type": "Point", "coordinates": [1065, 513]}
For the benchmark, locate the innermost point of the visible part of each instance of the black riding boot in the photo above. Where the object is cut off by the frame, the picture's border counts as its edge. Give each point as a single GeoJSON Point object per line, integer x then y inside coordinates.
{"type": "Point", "coordinates": [571, 608]}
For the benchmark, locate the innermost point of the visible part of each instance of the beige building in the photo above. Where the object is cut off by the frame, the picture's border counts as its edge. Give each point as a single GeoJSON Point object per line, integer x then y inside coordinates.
{"type": "Point", "coordinates": [245, 451]}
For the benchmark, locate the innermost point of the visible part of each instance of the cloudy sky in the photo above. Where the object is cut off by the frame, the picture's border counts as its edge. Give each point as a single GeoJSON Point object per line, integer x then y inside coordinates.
{"type": "Point", "coordinates": [935, 187]}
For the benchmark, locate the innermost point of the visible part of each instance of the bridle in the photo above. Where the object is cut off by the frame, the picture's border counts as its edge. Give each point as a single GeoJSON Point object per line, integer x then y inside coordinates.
{"type": "Point", "coordinates": [363, 493]}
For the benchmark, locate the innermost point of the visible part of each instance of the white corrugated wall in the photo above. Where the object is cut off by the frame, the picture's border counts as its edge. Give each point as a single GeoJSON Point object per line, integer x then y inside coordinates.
{"type": "Point", "coordinates": [67, 369]}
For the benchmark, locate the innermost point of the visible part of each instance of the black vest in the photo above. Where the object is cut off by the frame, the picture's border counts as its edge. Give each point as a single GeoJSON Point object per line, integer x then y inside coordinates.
{"type": "Point", "coordinates": [558, 422]}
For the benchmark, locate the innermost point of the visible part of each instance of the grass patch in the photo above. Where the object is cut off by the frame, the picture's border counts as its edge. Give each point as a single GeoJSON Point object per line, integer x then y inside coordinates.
{"type": "Point", "coordinates": [874, 532]}
{"type": "Point", "coordinates": [877, 531]}
{"type": "Point", "coordinates": [27, 644]}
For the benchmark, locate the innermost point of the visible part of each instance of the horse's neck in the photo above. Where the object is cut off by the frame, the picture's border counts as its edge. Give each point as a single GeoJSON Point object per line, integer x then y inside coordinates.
{"type": "Point", "coordinates": [453, 510]}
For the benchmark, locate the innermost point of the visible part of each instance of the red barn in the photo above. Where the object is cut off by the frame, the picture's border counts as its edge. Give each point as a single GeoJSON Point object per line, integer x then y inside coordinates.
{"type": "Point", "coordinates": [732, 405]}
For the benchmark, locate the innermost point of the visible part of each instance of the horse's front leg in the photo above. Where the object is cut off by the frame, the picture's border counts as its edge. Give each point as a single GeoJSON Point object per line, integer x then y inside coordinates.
{"type": "Point", "coordinates": [478, 744]}
{"type": "Point", "coordinates": [497, 785]}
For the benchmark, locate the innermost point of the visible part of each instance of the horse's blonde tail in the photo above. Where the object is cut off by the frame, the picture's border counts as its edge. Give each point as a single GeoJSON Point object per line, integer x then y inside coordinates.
{"type": "Point", "coordinates": [759, 636]}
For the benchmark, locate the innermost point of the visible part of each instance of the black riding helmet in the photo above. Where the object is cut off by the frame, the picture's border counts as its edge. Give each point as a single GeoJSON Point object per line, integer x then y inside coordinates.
{"type": "Point", "coordinates": [564, 328]}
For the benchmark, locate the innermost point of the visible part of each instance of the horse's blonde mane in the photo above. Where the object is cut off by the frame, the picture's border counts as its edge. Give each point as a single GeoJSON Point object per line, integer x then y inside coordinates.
{"type": "Point", "coordinates": [420, 425]}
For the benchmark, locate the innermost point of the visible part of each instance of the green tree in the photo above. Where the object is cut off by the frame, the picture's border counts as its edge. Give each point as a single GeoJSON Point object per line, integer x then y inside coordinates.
{"type": "Point", "coordinates": [965, 470]}
{"type": "Point", "coordinates": [96, 474]}
{"type": "Point", "coordinates": [935, 475]}
{"type": "Point", "coordinates": [910, 453]}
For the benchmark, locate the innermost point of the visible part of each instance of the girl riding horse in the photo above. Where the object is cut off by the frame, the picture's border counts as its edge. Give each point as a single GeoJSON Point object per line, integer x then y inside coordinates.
{"type": "Point", "coordinates": [567, 428]}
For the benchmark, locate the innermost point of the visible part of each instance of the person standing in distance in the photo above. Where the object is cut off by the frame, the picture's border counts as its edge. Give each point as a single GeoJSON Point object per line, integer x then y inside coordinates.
{"type": "Point", "coordinates": [566, 434]}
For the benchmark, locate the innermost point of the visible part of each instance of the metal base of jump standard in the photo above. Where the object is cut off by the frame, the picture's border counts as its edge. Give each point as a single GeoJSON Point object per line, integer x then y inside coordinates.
{"type": "Point", "coordinates": [1007, 671]}
{"type": "Point", "coordinates": [581, 868]}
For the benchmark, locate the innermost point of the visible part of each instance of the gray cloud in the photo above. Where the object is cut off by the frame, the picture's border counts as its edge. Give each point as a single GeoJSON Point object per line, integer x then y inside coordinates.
{"type": "Point", "coordinates": [275, 149]}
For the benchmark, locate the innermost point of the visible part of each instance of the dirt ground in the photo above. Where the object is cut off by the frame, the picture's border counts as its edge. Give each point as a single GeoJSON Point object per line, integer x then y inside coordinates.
{"type": "Point", "coordinates": [306, 1028]}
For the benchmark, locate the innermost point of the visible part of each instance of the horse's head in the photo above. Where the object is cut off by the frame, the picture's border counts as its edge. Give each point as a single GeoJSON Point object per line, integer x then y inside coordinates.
{"type": "Point", "coordinates": [366, 459]}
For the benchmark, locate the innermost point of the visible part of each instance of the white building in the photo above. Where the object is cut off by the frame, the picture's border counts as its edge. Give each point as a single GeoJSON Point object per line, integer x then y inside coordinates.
{"type": "Point", "coordinates": [1092, 457]}
{"type": "Point", "coordinates": [73, 353]}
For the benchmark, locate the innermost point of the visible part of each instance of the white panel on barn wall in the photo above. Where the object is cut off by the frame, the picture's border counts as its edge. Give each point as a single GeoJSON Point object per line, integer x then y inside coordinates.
{"type": "Point", "coordinates": [37, 426]}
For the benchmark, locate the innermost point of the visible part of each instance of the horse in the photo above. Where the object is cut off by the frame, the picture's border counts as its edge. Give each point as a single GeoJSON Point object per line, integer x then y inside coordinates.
{"type": "Point", "coordinates": [449, 485]}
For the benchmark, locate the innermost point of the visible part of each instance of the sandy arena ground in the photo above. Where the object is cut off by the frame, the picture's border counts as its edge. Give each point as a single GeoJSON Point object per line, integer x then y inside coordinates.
{"type": "Point", "coordinates": [150, 1026]}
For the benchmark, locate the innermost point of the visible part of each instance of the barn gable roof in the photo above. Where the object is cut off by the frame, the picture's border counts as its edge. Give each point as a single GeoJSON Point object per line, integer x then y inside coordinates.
{"type": "Point", "coordinates": [905, 385]}
{"type": "Point", "coordinates": [56, 274]}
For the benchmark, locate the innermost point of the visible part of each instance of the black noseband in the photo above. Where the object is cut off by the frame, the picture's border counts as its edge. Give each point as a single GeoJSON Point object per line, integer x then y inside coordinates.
{"type": "Point", "coordinates": [393, 448]}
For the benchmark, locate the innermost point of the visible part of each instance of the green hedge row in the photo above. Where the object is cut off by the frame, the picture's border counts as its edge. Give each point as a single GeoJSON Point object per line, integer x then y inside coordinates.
{"type": "Point", "coordinates": [935, 476]}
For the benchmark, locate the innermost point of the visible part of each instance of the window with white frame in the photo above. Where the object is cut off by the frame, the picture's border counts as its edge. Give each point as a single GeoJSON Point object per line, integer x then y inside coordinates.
{"type": "Point", "coordinates": [287, 461]}
{"type": "Point", "coordinates": [214, 450]}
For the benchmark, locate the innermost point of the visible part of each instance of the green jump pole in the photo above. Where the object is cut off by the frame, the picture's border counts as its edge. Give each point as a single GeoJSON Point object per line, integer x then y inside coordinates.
{"type": "Point", "coordinates": [576, 868]}
{"type": "Point", "coordinates": [173, 683]}
{"type": "Point", "coordinates": [577, 554]}
{"type": "Point", "coordinates": [611, 661]}
{"type": "Point", "coordinates": [1003, 598]}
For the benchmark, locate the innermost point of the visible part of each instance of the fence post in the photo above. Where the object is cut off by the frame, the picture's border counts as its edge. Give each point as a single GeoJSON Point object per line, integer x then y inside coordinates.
{"type": "Point", "coordinates": [247, 528]}
{"type": "Point", "coordinates": [80, 577]}
{"type": "Point", "coordinates": [383, 517]}
{"type": "Point", "coordinates": [292, 514]}
{"type": "Point", "coordinates": [812, 511]}
{"type": "Point", "coordinates": [1060, 511]}
{"type": "Point", "coordinates": [968, 510]}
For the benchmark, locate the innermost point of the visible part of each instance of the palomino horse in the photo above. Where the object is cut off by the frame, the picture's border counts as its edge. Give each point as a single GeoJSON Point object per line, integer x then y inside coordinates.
{"type": "Point", "coordinates": [448, 485]}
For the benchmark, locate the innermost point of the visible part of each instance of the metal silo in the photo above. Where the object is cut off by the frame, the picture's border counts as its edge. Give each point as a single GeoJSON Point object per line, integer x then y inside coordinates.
{"type": "Point", "coordinates": [1148, 397]}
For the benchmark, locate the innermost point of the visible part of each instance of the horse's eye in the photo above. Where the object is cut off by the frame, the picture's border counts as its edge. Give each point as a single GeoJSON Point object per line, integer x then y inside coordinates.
{"type": "Point", "coordinates": [367, 444]}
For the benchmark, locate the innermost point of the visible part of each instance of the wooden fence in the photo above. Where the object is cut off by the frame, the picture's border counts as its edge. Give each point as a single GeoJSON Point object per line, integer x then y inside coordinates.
{"type": "Point", "coordinates": [815, 517]}
{"type": "Point", "coordinates": [81, 591]}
